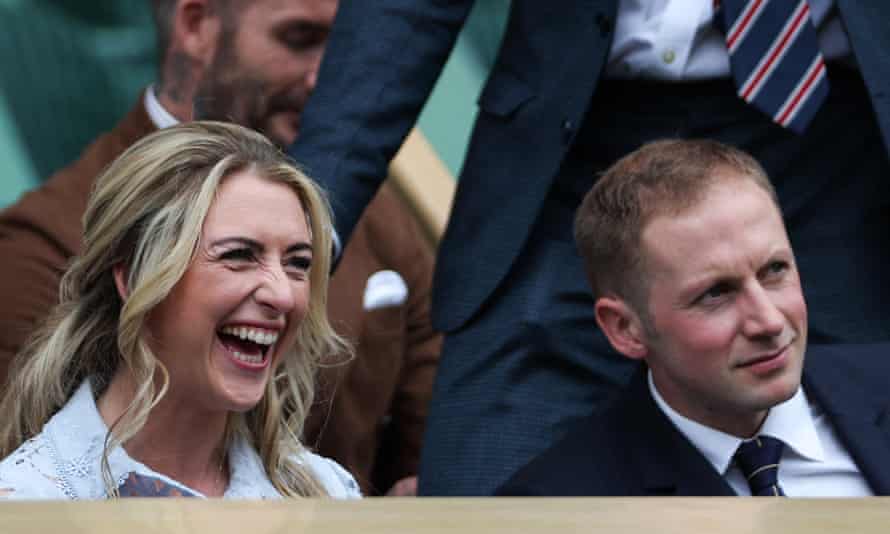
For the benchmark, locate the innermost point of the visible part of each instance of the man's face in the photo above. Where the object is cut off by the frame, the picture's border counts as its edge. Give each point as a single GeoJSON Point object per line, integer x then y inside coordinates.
{"type": "Point", "coordinates": [727, 324]}
{"type": "Point", "coordinates": [265, 65]}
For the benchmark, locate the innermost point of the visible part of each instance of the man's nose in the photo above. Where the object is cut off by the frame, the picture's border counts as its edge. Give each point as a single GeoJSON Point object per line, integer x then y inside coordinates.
{"type": "Point", "coordinates": [762, 317]}
{"type": "Point", "coordinates": [311, 79]}
{"type": "Point", "coordinates": [312, 73]}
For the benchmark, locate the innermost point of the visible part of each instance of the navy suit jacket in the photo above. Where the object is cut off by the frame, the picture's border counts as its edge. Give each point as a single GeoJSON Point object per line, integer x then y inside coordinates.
{"type": "Point", "coordinates": [632, 449]}
{"type": "Point", "coordinates": [382, 60]}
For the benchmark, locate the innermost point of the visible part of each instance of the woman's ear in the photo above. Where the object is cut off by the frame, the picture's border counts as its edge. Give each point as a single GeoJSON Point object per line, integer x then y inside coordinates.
{"type": "Point", "coordinates": [622, 326]}
{"type": "Point", "coordinates": [119, 271]}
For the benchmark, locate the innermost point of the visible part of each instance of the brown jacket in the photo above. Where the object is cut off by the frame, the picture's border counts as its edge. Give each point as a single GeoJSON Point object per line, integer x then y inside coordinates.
{"type": "Point", "coordinates": [374, 423]}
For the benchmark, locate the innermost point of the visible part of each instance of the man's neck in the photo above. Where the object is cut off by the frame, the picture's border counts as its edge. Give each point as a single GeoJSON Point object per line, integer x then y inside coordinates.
{"type": "Point", "coordinates": [742, 425]}
{"type": "Point", "coordinates": [175, 103]}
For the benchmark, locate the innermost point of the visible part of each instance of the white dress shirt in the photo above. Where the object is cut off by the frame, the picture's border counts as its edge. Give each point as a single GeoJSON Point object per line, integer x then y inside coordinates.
{"type": "Point", "coordinates": [156, 112]}
{"type": "Point", "coordinates": [64, 462]}
{"type": "Point", "coordinates": [677, 40]}
{"type": "Point", "coordinates": [814, 462]}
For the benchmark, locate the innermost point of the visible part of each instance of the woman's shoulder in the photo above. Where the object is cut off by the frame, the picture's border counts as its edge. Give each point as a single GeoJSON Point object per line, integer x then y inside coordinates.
{"type": "Point", "coordinates": [30, 473]}
{"type": "Point", "coordinates": [335, 479]}
{"type": "Point", "coordinates": [62, 461]}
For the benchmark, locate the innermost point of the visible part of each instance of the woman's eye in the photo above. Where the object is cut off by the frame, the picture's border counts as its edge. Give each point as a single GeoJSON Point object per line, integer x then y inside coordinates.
{"type": "Point", "coordinates": [238, 254]}
{"type": "Point", "coordinates": [299, 263]}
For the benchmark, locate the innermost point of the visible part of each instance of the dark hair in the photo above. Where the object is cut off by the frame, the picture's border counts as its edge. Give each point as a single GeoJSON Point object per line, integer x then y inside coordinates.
{"type": "Point", "coordinates": [163, 13]}
{"type": "Point", "coordinates": [162, 10]}
{"type": "Point", "coordinates": [660, 178]}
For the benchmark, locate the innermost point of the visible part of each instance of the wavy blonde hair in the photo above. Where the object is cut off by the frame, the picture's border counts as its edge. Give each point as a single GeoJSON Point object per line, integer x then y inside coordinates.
{"type": "Point", "coordinates": [146, 212]}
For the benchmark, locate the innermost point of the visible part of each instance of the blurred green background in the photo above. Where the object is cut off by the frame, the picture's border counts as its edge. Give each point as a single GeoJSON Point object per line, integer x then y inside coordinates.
{"type": "Point", "coordinates": [69, 69]}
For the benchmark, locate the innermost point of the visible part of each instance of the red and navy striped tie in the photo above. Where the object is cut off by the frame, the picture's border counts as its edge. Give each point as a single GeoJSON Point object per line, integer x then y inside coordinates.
{"type": "Point", "coordinates": [775, 58]}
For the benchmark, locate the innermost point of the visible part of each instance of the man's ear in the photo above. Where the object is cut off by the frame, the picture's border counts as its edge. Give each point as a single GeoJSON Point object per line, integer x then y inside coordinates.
{"type": "Point", "coordinates": [622, 326]}
{"type": "Point", "coordinates": [195, 30]}
{"type": "Point", "coordinates": [119, 272]}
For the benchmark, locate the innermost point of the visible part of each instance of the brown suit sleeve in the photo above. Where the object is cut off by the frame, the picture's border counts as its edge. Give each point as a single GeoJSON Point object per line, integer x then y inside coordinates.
{"type": "Point", "coordinates": [38, 236]}
{"type": "Point", "coordinates": [370, 413]}
{"type": "Point", "coordinates": [412, 257]}
{"type": "Point", "coordinates": [42, 231]}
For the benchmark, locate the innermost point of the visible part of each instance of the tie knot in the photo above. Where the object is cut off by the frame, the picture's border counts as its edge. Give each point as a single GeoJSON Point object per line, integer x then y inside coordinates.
{"type": "Point", "coordinates": [759, 461]}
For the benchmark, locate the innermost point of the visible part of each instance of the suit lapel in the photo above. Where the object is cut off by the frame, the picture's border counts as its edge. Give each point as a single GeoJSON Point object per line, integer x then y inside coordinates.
{"type": "Point", "coordinates": [858, 414]}
{"type": "Point", "coordinates": [667, 462]}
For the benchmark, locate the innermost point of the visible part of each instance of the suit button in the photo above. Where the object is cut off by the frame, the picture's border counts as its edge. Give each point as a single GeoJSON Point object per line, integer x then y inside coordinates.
{"type": "Point", "coordinates": [568, 129]}
{"type": "Point", "coordinates": [604, 24]}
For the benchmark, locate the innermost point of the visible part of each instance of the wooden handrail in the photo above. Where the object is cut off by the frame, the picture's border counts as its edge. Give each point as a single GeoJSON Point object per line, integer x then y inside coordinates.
{"type": "Point", "coordinates": [425, 184]}
{"type": "Point", "coordinates": [435, 516]}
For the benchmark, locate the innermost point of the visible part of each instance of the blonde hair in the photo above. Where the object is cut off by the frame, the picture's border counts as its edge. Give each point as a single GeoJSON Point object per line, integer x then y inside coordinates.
{"type": "Point", "coordinates": [146, 212]}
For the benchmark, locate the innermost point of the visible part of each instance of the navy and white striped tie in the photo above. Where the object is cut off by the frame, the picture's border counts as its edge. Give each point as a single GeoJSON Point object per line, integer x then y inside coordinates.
{"type": "Point", "coordinates": [775, 58]}
{"type": "Point", "coordinates": [759, 461]}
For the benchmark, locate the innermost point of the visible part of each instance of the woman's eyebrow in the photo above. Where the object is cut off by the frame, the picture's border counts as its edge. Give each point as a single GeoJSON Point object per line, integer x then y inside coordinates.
{"type": "Point", "coordinates": [251, 243]}
{"type": "Point", "coordinates": [299, 247]}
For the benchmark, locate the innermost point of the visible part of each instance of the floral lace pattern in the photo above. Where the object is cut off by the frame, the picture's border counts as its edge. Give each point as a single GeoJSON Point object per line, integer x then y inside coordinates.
{"type": "Point", "coordinates": [136, 485]}
{"type": "Point", "coordinates": [63, 462]}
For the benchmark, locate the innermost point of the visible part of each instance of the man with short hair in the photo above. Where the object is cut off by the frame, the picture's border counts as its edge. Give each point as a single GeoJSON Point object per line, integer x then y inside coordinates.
{"type": "Point", "coordinates": [693, 275]}
{"type": "Point", "coordinates": [574, 86]}
{"type": "Point", "coordinates": [254, 63]}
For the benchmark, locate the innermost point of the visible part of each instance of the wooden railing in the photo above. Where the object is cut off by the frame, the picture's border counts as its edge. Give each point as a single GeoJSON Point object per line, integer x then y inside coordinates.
{"type": "Point", "coordinates": [424, 182]}
{"type": "Point", "coordinates": [470, 516]}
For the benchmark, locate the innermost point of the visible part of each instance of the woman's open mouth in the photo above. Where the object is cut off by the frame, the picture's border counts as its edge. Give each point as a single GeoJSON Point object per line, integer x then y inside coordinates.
{"type": "Point", "coordinates": [248, 346]}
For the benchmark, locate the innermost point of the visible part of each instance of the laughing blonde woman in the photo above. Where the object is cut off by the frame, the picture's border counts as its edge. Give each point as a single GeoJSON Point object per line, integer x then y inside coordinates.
{"type": "Point", "coordinates": [180, 360]}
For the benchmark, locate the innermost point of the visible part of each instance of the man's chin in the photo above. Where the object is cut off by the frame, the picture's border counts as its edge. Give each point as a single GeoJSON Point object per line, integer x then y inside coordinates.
{"type": "Point", "coordinates": [282, 129]}
{"type": "Point", "coordinates": [782, 387]}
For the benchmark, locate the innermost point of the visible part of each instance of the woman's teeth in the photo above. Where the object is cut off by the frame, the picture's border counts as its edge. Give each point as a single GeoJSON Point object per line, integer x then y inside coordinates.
{"type": "Point", "coordinates": [248, 358]}
{"type": "Point", "coordinates": [257, 335]}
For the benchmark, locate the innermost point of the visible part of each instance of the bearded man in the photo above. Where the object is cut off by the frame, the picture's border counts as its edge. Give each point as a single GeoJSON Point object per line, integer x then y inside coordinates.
{"type": "Point", "coordinates": [255, 63]}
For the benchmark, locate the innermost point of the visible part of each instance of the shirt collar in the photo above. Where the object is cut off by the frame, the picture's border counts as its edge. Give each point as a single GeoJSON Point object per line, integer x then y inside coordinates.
{"type": "Point", "coordinates": [159, 116]}
{"type": "Point", "coordinates": [791, 421]}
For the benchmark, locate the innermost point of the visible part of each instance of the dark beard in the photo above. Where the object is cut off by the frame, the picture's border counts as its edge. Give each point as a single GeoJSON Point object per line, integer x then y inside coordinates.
{"type": "Point", "coordinates": [243, 99]}
{"type": "Point", "coordinates": [230, 92]}
{"type": "Point", "coordinates": [234, 100]}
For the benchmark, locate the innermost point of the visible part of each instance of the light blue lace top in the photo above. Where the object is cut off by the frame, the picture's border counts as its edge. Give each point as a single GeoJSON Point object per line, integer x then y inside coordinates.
{"type": "Point", "coordinates": [64, 462]}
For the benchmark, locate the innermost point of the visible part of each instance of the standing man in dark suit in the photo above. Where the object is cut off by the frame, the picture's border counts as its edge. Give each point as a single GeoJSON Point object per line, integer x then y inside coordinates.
{"type": "Point", "coordinates": [255, 63]}
{"type": "Point", "coordinates": [693, 274]}
{"type": "Point", "coordinates": [577, 85]}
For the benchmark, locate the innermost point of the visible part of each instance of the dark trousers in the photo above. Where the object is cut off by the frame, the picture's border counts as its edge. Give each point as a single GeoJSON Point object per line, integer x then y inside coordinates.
{"type": "Point", "coordinates": [532, 361]}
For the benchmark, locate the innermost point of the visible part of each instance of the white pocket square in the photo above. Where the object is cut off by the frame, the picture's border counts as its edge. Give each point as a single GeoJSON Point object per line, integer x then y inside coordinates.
{"type": "Point", "coordinates": [384, 288]}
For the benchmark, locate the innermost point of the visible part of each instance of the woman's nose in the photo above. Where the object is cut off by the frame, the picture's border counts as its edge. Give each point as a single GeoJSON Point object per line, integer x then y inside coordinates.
{"type": "Point", "coordinates": [276, 291]}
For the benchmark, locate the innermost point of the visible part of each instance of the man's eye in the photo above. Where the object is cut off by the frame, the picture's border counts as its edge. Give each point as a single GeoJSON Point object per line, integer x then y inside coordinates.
{"type": "Point", "coordinates": [238, 254]}
{"type": "Point", "coordinates": [714, 293]}
{"type": "Point", "coordinates": [302, 38]}
{"type": "Point", "coordinates": [776, 268]}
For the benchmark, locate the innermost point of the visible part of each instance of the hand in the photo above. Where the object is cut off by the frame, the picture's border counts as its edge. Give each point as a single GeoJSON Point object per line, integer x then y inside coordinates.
{"type": "Point", "coordinates": [406, 487]}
